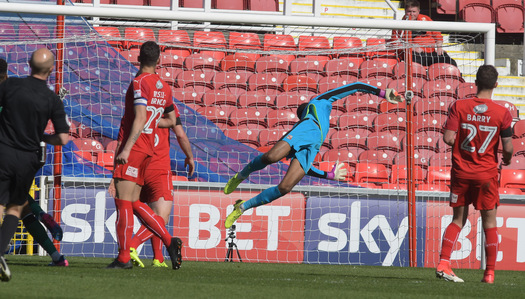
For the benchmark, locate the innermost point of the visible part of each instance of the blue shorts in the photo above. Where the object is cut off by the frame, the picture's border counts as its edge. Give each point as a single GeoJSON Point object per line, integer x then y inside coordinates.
{"type": "Point", "coordinates": [306, 139]}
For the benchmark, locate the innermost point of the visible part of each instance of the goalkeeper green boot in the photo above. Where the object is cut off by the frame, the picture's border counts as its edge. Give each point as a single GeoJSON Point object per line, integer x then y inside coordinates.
{"type": "Point", "coordinates": [235, 214]}
{"type": "Point", "coordinates": [157, 264]}
{"type": "Point", "coordinates": [232, 184]}
{"type": "Point", "coordinates": [135, 257]}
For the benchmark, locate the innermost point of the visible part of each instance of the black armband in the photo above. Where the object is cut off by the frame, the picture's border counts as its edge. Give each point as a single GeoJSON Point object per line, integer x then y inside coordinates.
{"type": "Point", "coordinates": [178, 121]}
{"type": "Point", "coordinates": [169, 109]}
{"type": "Point", "coordinates": [506, 133]}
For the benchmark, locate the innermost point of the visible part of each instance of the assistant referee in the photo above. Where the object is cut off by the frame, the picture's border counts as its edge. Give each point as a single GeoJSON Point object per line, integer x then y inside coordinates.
{"type": "Point", "coordinates": [28, 104]}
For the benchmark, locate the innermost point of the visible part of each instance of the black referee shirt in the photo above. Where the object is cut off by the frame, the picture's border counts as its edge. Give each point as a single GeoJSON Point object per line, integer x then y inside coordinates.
{"type": "Point", "coordinates": [27, 105]}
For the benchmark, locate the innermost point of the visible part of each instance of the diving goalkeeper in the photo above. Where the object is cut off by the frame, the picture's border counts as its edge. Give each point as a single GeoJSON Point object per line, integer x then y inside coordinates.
{"type": "Point", "coordinates": [301, 144]}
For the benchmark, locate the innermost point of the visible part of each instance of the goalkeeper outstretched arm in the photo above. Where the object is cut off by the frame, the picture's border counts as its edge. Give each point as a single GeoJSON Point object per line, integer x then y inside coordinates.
{"type": "Point", "coordinates": [338, 173]}
{"type": "Point", "coordinates": [341, 92]}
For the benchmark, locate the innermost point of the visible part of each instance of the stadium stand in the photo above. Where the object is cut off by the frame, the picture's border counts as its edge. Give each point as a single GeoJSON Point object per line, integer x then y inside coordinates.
{"type": "Point", "coordinates": [371, 173]}
{"type": "Point", "coordinates": [135, 36]}
{"type": "Point", "coordinates": [479, 11]}
{"type": "Point", "coordinates": [512, 178]}
{"type": "Point", "coordinates": [399, 174]}
{"type": "Point", "coordinates": [509, 15]}
{"type": "Point", "coordinates": [263, 5]}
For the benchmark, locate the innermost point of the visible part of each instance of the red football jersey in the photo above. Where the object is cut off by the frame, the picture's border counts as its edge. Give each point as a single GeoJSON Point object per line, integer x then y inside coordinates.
{"type": "Point", "coordinates": [478, 123]}
{"type": "Point", "coordinates": [161, 158]}
{"type": "Point", "coordinates": [148, 90]}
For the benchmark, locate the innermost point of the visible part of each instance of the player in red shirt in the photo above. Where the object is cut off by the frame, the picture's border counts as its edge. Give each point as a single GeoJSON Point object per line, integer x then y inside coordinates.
{"type": "Point", "coordinates": [147, 99]}
{"type": "Point", "coordinates": [158, 188]}
{"type": "Point", "coordinates": [474, 127]}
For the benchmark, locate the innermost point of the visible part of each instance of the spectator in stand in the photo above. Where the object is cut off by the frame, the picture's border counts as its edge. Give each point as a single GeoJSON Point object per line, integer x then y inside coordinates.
{"type": "Point", "coordinates": [473, 128]}
{"type": "Point", "coordinates": [28, 104]}
{"type": "Point", "coordinates": [431, 42]}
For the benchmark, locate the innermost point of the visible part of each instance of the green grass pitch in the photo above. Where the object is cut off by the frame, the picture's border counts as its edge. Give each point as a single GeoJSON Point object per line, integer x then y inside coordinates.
{"type": "Point", "coordinates": [87, 278]}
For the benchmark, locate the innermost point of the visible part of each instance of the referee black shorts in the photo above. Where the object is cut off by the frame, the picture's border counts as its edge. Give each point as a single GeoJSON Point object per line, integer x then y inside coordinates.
{"type": "Point", "coordinates": [17, 171]}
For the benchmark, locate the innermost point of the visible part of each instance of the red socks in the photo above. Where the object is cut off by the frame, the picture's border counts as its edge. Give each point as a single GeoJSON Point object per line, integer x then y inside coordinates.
{"type": "Point", "coordinates": [124, 228]}
{"type": "Point", "coordinates": [491, 247]}
{"type": "Point", "coordinates": [156, 244]}
{"type": "Point", "coordinates": [449, 239]}
{"type": "Point", "coordinates": [153, 222]}
{"type": "Point", "coordinates": [141, 236]}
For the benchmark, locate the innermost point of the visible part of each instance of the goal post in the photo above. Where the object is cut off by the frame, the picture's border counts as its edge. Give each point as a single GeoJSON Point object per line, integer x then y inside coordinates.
{"type": "Point", "coordinates": [235, 102]}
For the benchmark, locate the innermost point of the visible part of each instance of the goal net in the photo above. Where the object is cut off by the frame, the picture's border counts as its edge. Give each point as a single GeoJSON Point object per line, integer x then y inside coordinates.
{"type": "Point", "coordinates": [237, 88]}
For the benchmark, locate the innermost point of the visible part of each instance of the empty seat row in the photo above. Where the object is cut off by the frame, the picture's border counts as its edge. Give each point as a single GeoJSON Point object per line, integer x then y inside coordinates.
{"type": "Point", "coordinates": [257, 5]}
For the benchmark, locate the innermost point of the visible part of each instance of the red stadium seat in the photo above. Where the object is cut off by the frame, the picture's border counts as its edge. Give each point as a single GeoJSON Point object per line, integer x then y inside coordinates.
{"type": "Point", "coordinates": [390, 121]}
{"type": "Point", "coordinates": [441, 159]}
{"type": "Point", "coordinates": [201, 61]}
{"type": "Point", "coordinates": [257, 98]}
{"type": "Point", "coordinates": [442, 146]}
{"type": "Point", "coordinates": [263, 5]}
{"type": "Point", "coordinates": [350, 46]}
{"type": "Point", "coordinates": [384, 141]}
{"type": "Point", "coordinates": [377, 67]}
{"type": "Point", "coordinates": [281, 117]}
{"type": "Point", "coordinates": [200, 77]}
{"type": "Point", "coordinates": [376, 47]}
{"type": "Point", "coordinates": [89, 145]}
{"type": "Point", "coordinates": [270, 136]}
{"type": "Point", "coordinates": [279, 42]}
{"type": "Point", "coordinates": [439, 88]}
{"type": "Point", "coordinates": [266, 81]}
{"type": "Point", "coordinates": [479, 11]}
{"type": "Point", "coordinates": [191, 3]}
{"type": "Point", "coordinates": [174, 39]}
{"type": "Point", "coordinates": [245, 40]}
{"type": "Point", "coordinates": [466, 90]}
{"type": "Point", "coordinates": [111, 147]}
{"type": "Point", "coordinates": [400, 85]}
{"type": "Point", "coordinates": [217, 114]}
{"type": "Point", "coordinates": [219, 98]}
{"type": "Point", "coordinates": [345, 155]}
{"type": "Point", "coordinates": [229, 4]}
{"type": "Point", "coordinates": [512, 178]}
{"type": "Point", "coordinates": [418, 70]}
{"type": "Point", "coordinates": [357, 119]}
{"type": "Point", "coordinates": [380, 82]}
{"type": "Point", "coordinates": [438, 175]}
{"type": "Point", "coordinates": [400, 174]}
{"type": "Point", "coordinates": [344, 66]}
{"type": "Point", "coordinates": [349, 138]}
{"type": "Point", "coordinates": [300, 82]}
{"type": "Point", "coordinates": [387, 107]}
{"type": "Point", "coordinates": [243, 135]}
{"type": "Point", "coordinates": [394, 186]}
{"type": "Point", "coordinates": [422, 140]}
{"type": "Point", "coordinates": [106, 160]}
{"type": "Point", "coordinates": [292, 99]}
{"type": "Point", "coordinates": [444, 70]}
{"type": "Point", "coordinates": [271, 64]}
{"type": "Point", "coordinates": [420, 159]}
{"type": "Point", "coordinates": [188, 95]}
{"type": "Point", "coordinates": [328, 83]}
{"type": "Point", "coordinates": [254, 115]}
{"type": "Point", "coordinates": [307, 66]}
{"type": "Point", "coordinates": [362, 102]}
{"type": "Point", "coordinates": [169, 74]}
{"type": "Point", "coordinates": [230, 79]}
{"type": "Point", "coordinates": [519, 147]}
{"type": "Point", "coordinates": [432, 187]}
{"type": "Point", "coordinates": [371, 173]}
{"type": "Point", "coordinates": [334, 118]}
{"type": "Point", "coordinates": [237, 61]}
{"type": "Point", "coordinates": [509, 16]}
{"type": "Point", "coordinates": [174, 58]}
{"type": "Point", "coordinates": [131, 55]}
{"type": "Point", "coordinates": [376, 157]}
{"type": "Point", "coordinates": [136, 36]}
{"type": "Point", "coordinates": [431, 106]}
{"type": "Point", "coordinates": [510, 191]}
{"type": "Point", "coordinates": [315, 43]}
{"type": "Point", "coordinates": [429, 123]}
{"type": "Point", "coordinates": [519, 128]}
{"type": "Point", "coordinates": [112, 35]}
{"type": "Point", "coordinates": [511, 107]}
{"type": "Point", "coordinates": [131, 2]}
{"type": "Point", "coordinates": [210, 39]}
{"type": "Point", "coordinates": [447, 7]}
